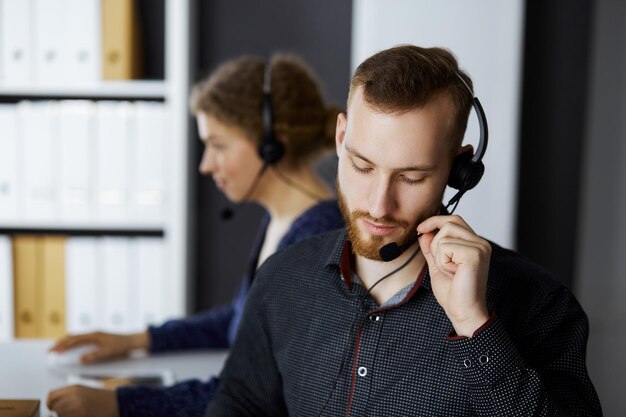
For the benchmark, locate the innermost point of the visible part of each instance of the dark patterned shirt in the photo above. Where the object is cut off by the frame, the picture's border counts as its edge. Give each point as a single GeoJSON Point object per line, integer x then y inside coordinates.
{"type": "Point", "coordinates": [313, 343]}
{"type": "Point", "coordinates": [215, 328]}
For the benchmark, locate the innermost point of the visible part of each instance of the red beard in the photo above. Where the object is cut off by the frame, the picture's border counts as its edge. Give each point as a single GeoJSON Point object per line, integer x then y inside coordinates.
{"type": "Point", "coordinates": [364, 246]}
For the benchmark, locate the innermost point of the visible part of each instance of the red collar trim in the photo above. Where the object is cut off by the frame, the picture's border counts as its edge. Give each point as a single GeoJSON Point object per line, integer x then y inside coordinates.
{"type": "Point", "coordinates": [346, 272]}
{"type": "Point", "coordinates": [346, 264]}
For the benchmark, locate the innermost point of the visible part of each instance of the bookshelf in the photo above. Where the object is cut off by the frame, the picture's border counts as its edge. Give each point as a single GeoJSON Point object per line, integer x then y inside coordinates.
{"type": "Point", "coordinates": [130, 90]}
{"type": "Point", "coordinates": [129, 241]}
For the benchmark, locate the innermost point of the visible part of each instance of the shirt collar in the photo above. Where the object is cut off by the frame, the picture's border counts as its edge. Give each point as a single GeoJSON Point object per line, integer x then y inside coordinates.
{"type": "Point", "coordinates": [334, 257]}
{"type": "Point", "coordinates": [341, 257]}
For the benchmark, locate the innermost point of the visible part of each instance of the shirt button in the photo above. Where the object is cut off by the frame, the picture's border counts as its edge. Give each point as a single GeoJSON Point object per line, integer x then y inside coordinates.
{"type": "Point", "coordinates": [483, 359]}
{"type": "Point", "coordinates": [467, 363]}
{"type": "Point", "coordinates": [374, 317]}
{"type": "Point", "coordinates": [362, 371]}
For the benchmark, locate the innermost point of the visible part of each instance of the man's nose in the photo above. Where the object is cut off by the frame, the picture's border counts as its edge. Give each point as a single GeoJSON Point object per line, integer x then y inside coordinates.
{"type": "Point", "coordinates": [381, 199]}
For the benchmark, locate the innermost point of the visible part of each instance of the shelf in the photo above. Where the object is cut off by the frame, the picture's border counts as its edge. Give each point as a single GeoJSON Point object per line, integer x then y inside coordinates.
{"type": "Point", "coordinates": [85, 229]}
{"type": "Point", "coordinates": [131, 90]}
{"type": "Point", "coordinates": [154, 243]}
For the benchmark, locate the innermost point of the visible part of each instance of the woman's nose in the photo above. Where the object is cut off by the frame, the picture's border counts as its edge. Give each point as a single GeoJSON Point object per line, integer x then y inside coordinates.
{"type": "Point", "coordinates": [207, 163]}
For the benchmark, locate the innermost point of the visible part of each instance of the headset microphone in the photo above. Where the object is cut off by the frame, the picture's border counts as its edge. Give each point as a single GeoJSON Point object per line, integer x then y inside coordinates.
{"type": "Point", "coordinates": [392, 250]}
{"type": "Point", "coordinates": [228, 213]}
{"type": "Point", "coordinates": [467, 170]}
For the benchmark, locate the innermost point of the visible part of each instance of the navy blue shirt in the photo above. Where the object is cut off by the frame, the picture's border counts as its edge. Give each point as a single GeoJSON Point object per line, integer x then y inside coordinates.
{"type": "Point", "coordinates": [215, 328]}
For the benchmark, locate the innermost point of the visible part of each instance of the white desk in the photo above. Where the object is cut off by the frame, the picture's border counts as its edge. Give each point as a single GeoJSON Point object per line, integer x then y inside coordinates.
{"type": "Point", "coordinates": [25, 373]}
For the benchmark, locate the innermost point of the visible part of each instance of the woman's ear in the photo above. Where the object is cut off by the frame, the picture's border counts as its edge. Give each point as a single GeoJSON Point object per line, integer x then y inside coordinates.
{"type": "Point", "coordinates": [283, 139]}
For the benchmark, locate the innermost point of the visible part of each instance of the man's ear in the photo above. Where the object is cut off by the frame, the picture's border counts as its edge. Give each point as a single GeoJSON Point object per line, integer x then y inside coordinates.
{"type": "Point", "coordinates": [340, 131]}
{"type": "Point", "coordinates": [464, 149]}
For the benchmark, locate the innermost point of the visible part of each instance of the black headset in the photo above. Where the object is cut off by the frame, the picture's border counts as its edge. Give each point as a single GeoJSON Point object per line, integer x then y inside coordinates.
{"type": "Point", "coordinates": [271, 150]}
{"type": "Point", "coordinates": [468, 169]}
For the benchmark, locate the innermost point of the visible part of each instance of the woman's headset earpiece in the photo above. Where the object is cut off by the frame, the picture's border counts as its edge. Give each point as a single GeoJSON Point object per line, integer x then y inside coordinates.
{"type": "Point", "coordinates": [271, 150]}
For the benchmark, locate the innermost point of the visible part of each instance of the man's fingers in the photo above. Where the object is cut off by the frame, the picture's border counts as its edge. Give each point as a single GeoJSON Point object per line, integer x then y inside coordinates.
{"type": "Point", "coordinates": [454, 229]}
{"type": "Point", "coordinates": [449, 253]}
{"type": "Point", "coordinates": [437, 222]}
{"type": "Point", "coordinates": [425, 242]}
{"type": "Point", "coordinates": [450, 241]}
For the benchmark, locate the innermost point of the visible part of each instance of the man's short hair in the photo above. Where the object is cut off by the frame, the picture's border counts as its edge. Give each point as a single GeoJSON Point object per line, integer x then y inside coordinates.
{"type": "Point", "coordinates": [407, 77]}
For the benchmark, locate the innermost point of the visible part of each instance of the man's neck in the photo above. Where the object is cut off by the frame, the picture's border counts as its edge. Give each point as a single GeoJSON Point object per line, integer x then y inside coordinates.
{"type": "Point", "coordinates": [370, 271]}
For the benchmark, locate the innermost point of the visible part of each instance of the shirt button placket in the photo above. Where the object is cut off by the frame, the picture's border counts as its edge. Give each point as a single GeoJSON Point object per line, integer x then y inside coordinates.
{"type": "Point", "coordinates": [368, 347]}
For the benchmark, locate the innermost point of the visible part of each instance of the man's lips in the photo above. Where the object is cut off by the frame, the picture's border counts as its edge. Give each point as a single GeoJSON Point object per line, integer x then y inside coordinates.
{"type": "Point", "coordinates": [378, 229]}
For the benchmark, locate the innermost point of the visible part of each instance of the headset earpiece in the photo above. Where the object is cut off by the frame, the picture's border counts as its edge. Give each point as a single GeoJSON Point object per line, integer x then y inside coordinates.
{"type": "Point", "coordinates": [465, 173]}
{"type": "Point", "coordinates": [271, 150]}
{"type": "Point", "coordinates": [467, 168]}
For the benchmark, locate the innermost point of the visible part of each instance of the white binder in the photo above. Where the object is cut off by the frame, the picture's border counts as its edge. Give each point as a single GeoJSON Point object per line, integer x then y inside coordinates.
{"type": "Point", "coordinates": [115, 130]}
{"type": "Point", "coordinates": [117, 278]}
{"type": "Point", "coordinates": [82, 294]}
{"type": "Point", "coordinates": [148, 168]}
{"type": "Point", "coordinates": [18, 49]}
{"type": "Point", "coordinates": [83, 40]}
{"type": "Point", "coordinates": [6, 290]}
{"type": "Point", "coordinates": [37, 127]}
{"type": "Point", "coordinates": [76, 141]}
{"type": "Point", "coordinates": [49, 30]}
{"type": "Point", "coordinates": [2, 38]}
{"type": "Point", "coordinates": [150, 275]}
{"type": "Point", "coordinates": [8, 164]}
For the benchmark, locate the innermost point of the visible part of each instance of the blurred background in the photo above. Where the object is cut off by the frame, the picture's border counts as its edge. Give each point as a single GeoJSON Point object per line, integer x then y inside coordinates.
{"type": "Point", "coordinates": [105, 222]}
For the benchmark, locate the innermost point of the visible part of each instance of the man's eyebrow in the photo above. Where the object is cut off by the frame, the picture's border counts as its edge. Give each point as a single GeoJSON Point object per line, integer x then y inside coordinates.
{"type": "Point", "coordinates": [402, 169]}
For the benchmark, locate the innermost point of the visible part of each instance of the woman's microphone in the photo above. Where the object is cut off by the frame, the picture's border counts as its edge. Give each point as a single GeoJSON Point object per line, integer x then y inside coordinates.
{"type": "Point", "coordinates": [227, 213]}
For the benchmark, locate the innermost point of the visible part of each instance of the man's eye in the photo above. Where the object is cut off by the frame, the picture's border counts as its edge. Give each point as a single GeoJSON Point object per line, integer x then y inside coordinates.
{"type": "Point", "coordinates": [412, 181]}
{"type": "Point", "coordinates": [360, 170]}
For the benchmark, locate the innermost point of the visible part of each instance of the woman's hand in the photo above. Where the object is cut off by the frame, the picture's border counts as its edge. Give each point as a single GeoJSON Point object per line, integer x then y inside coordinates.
{"type": "Point", "coordinates": [80, 401]}
{"type": "Point", "coordinates": [106, 345]}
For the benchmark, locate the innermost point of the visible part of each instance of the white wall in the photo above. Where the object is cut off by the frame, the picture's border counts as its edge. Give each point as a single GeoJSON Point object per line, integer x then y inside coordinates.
{"type": "Point", "coordinates": [486, 37]}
